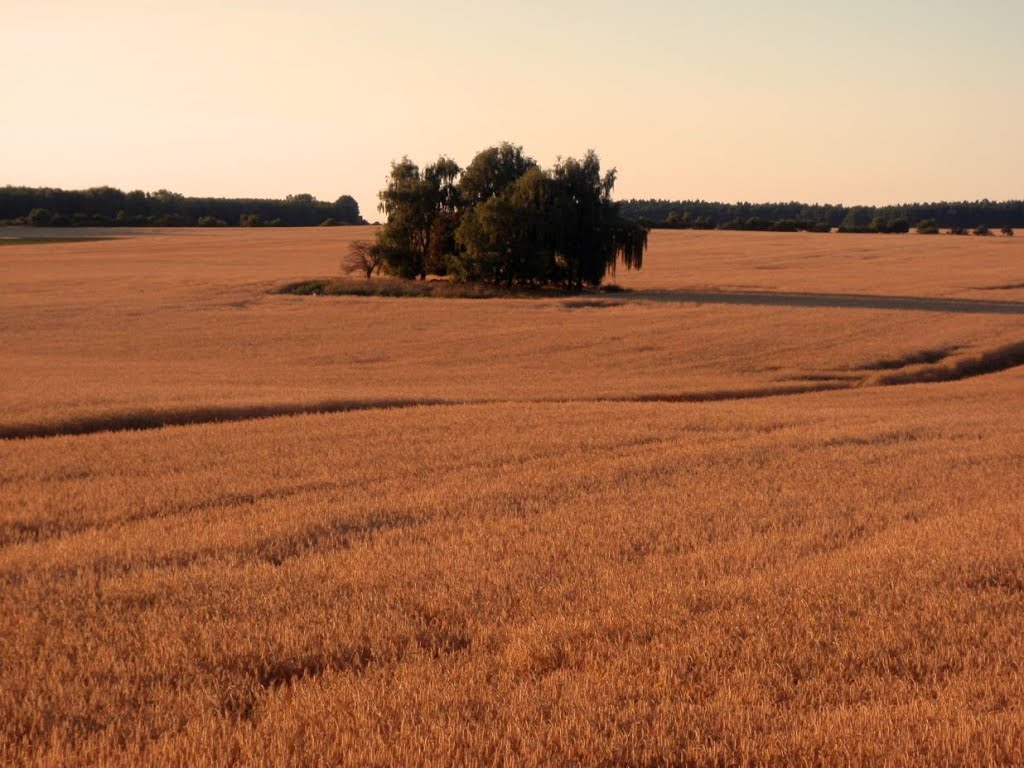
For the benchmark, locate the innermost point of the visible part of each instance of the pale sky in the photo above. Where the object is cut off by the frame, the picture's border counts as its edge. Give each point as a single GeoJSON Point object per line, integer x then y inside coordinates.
{"type": "Point", "coordinates": [866, 102]}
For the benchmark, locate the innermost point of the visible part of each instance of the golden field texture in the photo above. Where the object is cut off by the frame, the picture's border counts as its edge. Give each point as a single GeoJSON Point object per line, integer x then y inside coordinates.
{"type": "Point", "coordinates": [596, 530]}
{"type": "Point", "coordinates": [181, 326]}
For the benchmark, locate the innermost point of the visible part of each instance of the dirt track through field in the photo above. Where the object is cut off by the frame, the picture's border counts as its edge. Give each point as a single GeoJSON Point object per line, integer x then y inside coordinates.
{"type": "Point", "coordinates": [830, 301]}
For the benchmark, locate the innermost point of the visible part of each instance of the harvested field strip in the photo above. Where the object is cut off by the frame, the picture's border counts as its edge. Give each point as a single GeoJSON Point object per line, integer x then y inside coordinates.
{"type": "Point", "coordinates": [913, 368]}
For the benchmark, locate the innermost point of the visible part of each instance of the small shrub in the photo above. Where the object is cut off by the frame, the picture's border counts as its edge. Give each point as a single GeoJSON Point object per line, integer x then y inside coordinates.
{"type": "Point", "coordinates": [365, 257]}
{"type": "Point", "coordinates": [927, 227]}
{"type": "Point", "coordinates": [957, 230]}
{"type": "Point", "coordinates": [982, 231]}
{"type": "Point", "coordinates": [39, 217]}
{"type": "Point", "coordinates": [328, 223]}
{"type": "Point", "coordinates": [881, 224]}
{"type": "Point", "coordinates": [1008, 231]}
{"type": "Point", "coordinates": [211, 221]}
{"type": "Point", "coordinates": [307, 288]}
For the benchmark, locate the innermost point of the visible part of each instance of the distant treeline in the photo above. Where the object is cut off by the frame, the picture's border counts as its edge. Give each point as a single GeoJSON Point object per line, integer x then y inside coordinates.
{"type": "Point", "coordinates": [701, 214]}
{"type": "Point", "coordinates": [110, 207]}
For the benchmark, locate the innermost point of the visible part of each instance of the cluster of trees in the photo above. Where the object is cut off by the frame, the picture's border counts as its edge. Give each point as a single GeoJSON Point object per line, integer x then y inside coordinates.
{"type": "Point", "coordinates": [505, 220]}
{"type": "Point", "coordinates": [868, 220]}
{"type": "Point", "coordinates": [110, 207]}
{"type": "Point", "coordinates": [930, 227]}
{"type": "Point", "coordinates": [702, 214]}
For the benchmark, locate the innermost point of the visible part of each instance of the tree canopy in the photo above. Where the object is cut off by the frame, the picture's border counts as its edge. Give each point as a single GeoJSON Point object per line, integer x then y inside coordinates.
{"type": "Point", "coordinates": [505, 220]}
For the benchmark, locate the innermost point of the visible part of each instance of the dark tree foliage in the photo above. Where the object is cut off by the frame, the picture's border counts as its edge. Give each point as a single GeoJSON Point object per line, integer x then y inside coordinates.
{"type": "Point", "coordinates": [508, 222]}
{"type": "Point", "coordinates": [590, 237]}
{"type": "Point", "coordinates": [110, 207]}
{"type": "Point", "coordinates": [492, 171]}
{"type": "Point", "coordinates": [420, 207]}
{"type": "Point", "coordinates": [927, 227]}
{"type": "Point", "coordinates": [683, 213]}
{"type": "Point", "coordinates": [39, 217]}
{"type": "Point", "coordinates": [508, 238]}
{"type": "Point", "coordinates": [1008, 231]}
{"type": "Point", "coordinates": [860, 219]}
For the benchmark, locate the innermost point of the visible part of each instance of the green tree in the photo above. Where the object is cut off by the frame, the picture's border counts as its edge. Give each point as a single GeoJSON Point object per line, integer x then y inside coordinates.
{"type": "Point", "coordinates": [491, 172]}
{"type": "Point", "coordinates": [445, 205]}
{"type": "Point", "coordinates": [508, 238]}
{"type": "Point", "coordinates": [411, 240]}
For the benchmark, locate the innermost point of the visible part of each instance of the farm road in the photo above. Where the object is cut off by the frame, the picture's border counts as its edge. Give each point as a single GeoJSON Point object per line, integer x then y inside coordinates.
{"type": "Point", "coordinates": [829, 300]}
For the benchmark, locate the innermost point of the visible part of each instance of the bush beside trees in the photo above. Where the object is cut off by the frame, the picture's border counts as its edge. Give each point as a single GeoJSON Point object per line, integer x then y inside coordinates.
{"type": "Point", "coordinates": [1008, 231]}
{"type": "Point", "coordinates": [927, 227]}
{"type": "Point", "coordinates": [982, 231]}
{"type": "Point", "coordinates": [364, 257]}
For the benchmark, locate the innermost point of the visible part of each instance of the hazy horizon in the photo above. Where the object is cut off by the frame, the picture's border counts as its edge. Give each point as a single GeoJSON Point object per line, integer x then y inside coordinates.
{"type": "Point", "coordinates": [886, 103]}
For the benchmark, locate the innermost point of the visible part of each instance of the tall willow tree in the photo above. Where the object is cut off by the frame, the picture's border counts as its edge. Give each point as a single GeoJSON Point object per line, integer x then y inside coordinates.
{"type": "Point", "coordinates": [590, 236]}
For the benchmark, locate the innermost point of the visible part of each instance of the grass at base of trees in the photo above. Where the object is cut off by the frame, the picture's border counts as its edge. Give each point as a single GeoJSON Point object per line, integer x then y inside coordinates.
{"type": "Point", "coordinates": [442, 289]}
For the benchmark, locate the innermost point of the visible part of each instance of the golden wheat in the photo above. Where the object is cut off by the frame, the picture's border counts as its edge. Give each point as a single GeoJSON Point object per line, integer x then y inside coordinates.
{"type": "Point", "coordinates": [546, 576]}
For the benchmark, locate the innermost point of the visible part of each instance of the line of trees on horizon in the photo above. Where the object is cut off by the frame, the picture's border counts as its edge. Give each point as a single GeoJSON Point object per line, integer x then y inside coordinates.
{"type": "Point", "coordinates": [505, 220]}
{"type": "Point", "coordinates": [796, 216]}
{"type": "Point", "coordinates": [111, 207]}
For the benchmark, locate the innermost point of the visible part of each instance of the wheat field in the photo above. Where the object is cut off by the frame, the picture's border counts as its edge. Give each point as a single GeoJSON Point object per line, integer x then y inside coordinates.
{"type": "Point", "coordinates": [731, 516]}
